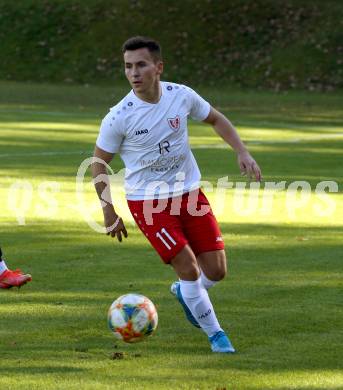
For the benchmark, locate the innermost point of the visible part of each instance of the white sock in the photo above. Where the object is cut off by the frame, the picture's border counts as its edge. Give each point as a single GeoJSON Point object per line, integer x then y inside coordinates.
{"type": "Point", "coordinates": [198, 302]}
{"type": "Point", "coordinates": [207, 283]}
{"type": "Point", "coordinates": [3, 267]}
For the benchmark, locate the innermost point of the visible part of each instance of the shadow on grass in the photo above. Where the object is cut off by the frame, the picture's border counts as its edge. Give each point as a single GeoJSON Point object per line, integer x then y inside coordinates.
{"type": "Point", "coordinates": [281, 296]}
{"type": "Point", "coordinates": [276, 164]}
{"type": "Point", "coordinates": [27, 370]}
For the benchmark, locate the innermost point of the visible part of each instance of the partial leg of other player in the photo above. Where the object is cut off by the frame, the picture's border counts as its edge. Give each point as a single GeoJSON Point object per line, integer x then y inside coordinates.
{"type": "Point", "coordinates": [9, 278]}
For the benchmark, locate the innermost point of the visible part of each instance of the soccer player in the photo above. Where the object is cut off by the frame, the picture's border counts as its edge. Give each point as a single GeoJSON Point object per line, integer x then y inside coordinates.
{"type": "Point", "coordinates": [148, 129]}
{"type": "Point", "coordinates": [10, 278]}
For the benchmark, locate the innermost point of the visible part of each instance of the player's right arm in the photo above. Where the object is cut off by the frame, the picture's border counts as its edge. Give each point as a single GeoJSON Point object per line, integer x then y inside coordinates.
{"type": "Point", "coordinates": [113, 223]}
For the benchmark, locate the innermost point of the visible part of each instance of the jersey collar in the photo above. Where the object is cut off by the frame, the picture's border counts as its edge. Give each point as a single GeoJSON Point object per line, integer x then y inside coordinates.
{"type": "Point", "coordinates": [134, 97]}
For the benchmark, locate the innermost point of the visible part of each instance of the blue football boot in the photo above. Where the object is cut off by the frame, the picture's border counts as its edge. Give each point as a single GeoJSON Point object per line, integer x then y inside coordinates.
{"type": "Point", "coordinates": [176, 291]}
{"type": "Point", "coordinates": [221, 343]}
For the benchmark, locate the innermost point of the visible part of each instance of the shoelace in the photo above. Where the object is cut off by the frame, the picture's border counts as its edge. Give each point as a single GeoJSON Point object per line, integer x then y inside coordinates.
{"type": "Point", "coordinates": [217, 335]}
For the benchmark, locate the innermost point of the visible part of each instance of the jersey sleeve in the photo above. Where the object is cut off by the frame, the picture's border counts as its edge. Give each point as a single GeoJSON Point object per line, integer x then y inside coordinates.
{"type": "Point", "coordinates": [200, 108]}
{"type": "Point", "coordinates": [111, 134]}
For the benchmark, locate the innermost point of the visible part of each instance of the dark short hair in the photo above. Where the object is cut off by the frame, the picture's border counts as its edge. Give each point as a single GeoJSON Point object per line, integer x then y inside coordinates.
{"type": "Point", "coordinates": [140, 42]}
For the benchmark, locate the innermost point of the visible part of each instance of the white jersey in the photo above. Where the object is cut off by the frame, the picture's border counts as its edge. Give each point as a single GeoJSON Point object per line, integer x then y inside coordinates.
{"type": "Point", "coordinates": [152, 140]}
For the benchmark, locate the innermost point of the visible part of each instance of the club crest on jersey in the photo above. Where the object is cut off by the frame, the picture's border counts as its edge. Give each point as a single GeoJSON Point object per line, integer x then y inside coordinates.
{"type": "Point", "coordinates": [174, 123]}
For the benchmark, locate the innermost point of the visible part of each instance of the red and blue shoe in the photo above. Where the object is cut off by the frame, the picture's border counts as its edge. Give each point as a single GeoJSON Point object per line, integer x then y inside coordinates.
{"type": "Point", "coordinates": [15, 278]}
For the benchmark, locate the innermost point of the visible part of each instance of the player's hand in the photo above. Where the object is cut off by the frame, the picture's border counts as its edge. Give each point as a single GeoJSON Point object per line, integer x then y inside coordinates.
{"type": "Point", "coordinates": [114, 225]}
{"type": "Point", "coordinates": [248, 166]}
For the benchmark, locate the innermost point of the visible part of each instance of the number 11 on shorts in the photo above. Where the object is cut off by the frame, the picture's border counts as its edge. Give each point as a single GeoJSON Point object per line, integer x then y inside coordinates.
{"type": "Point", "coordinates": [168, 237]}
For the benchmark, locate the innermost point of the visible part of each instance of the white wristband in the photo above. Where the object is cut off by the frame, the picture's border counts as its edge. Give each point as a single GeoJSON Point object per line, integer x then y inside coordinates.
{"type": "Point", "coordinates": [112, 227]}
{"type": "Point", "coordinates": [116, 223]}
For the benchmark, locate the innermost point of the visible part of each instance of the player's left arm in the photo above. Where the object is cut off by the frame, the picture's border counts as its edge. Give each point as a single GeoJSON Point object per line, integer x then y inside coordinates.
{"type": "Point", "coordinates": [226, 130]}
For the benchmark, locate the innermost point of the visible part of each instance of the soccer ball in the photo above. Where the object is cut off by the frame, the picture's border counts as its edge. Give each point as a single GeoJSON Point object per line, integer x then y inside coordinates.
{"type": "Point", "coordinates": [132, 317]}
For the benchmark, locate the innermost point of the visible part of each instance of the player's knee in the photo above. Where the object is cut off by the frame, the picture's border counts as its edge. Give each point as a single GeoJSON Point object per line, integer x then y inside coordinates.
{"type": "Point", "coordinates": [193, 272]}
{"type": "Point", "coordinates": [189, 271]}
{"type": "Point", "coordinates": [219, 274]}
{"type": "Point", "coordinates": [221, 269]}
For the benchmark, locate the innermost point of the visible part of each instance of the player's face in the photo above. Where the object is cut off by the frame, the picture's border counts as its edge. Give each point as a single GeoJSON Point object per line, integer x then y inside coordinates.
{"type": "Point", "coordinates": [141, 70]}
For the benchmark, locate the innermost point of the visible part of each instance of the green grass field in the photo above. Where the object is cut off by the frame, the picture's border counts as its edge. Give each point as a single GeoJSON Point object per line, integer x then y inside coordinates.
{"type": "Point", "coordinates": [282, 303]}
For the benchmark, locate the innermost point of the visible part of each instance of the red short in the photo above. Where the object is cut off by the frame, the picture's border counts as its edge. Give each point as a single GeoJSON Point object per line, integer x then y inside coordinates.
{"type": "Point", "coordinates": [170, 224]}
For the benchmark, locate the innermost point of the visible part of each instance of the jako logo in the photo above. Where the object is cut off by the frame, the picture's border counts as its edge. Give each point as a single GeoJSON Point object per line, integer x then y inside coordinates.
{"type": "Point", "coordinates": [204, 315]}
{"type": "Point", "coordinates": [139, 132]}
